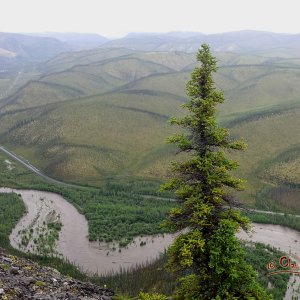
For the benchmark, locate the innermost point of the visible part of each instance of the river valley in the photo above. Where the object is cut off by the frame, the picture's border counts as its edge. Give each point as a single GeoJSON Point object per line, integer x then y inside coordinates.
{"type": "Point", "coordinates": [73, 243]}
{"type": "Point", "coordinates": [101, 258]}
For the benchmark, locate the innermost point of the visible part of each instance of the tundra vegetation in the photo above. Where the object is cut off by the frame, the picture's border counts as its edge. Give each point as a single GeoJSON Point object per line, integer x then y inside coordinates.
{"type": "Point", "coordinates": [116, 212]}
{"type": "Point", "coordinates": [97, 115]}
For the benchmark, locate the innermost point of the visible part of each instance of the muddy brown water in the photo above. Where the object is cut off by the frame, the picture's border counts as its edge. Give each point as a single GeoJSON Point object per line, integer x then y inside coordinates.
{"type": "Point", "coordinates": [73, 243]}
{"type": "Point", "coordinates": [93, 257]}
{"type": "Point", "coordinates": [283, 238]}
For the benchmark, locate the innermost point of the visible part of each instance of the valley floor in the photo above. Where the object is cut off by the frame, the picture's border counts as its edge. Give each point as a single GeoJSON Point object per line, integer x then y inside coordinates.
{"type": "Point", "coordinates": [102, 258]}
{"type": "Point", "coordinates": [73, 243]}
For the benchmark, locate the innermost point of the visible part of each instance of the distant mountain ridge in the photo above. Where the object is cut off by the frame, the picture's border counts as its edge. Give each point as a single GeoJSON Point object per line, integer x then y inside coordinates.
{"type": "Point", "coordinates": [239, 41]}
{"type": "Point", "coordinates": [16, 47]}
{"type": "Point", "coordinates": [76, 41]}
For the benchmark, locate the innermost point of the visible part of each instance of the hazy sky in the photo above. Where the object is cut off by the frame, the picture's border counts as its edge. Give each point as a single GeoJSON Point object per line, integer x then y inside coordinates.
{"type": "Point", "coordinates": [118, 17]}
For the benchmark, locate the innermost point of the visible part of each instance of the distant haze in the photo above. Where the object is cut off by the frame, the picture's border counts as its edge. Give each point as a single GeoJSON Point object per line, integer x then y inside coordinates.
{"type": "Point", "coordinates": [113, 18]}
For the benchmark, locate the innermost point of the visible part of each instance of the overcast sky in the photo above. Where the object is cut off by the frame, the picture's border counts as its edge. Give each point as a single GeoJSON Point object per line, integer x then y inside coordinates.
{"type": "Point", "coordinates": [117, 17]}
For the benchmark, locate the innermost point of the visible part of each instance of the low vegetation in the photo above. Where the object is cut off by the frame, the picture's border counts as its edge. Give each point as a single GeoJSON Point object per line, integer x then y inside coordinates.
{"type": "Point", "coordinates": [114, 124]}
{"type": "Point", "coordinates": [40, 239]}
{"type": "Point", "coordinates": [152, 277]}
{"type": "Point", "coordinates": [12, 209]}
{"type": "Point", "coordinates": [149, 278]}
{"type": "Point", "coordinates": [285, 220]}
{"type": "Point", "coordinates": [155, 278]}
{"type": "Point", "coordinates": [116, 212]}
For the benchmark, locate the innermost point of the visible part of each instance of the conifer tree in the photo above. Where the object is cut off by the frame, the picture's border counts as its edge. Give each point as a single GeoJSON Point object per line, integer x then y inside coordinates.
{"type": "Point", "coordinates": [207, 251]}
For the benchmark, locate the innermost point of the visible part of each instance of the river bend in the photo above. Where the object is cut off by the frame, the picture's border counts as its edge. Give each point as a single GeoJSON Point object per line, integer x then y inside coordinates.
{"type": "Point", "coordinates": [94, 257]}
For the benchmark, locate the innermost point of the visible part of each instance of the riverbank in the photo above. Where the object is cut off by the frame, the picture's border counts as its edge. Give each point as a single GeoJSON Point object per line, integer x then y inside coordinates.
{"type": "Point", "coordinates": [101, 258]}
{"type": "Point", "coordinates": [282, 238]}
{"type": "Point", "coordinates": [73, 243]}
{"type": "Point", "coordinates": [285, 239]}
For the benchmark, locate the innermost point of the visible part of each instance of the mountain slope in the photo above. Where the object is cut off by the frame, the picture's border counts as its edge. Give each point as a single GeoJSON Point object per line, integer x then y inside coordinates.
{"type": "Point", "coordinates": [114, 136]}
{"type": "Point", "coordinates": [36, 93]}
{"type": "Point", "coordinates": [97, 77]}
{"type": "Point", "coordinates": [100, 114]}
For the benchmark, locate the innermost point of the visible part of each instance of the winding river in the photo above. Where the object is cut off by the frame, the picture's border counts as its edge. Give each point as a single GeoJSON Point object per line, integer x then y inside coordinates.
{"type": "Point", "coordinates": [73, 244]}
{"type": "Point", "coordinates": [101, 258]}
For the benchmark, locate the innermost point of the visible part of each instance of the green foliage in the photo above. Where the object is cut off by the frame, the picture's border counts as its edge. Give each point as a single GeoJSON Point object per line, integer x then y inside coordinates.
{"type": "Point", "coordinates": [154, 296]}
{"type": "Point", "coordinates": [259, 255]}
{"type": "Point", "coordinates": [285, 220]}
{"type": "Point", "coordinates": [153, 277]}
{"type": "Point", "coordinates": [118, 211]}
{"type": "Point", "coordinates": [148, 277]}
{"type": "Point", "coordinates": [12, 209]}
{"type": "Point", "coordinates": [208, 251]}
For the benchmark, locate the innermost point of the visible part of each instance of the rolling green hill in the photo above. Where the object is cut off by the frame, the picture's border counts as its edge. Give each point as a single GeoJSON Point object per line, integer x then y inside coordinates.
{"type": "Point", "coordinates": [37, 93]}
{"type": "Point", "coordinates": [118, 136]}
{"type": "Point", "coordinates": [102, 114]}
{"type": "Point", "coordinates": [68, 60]}
{"type": "Point", "coordinates": [95, 73]}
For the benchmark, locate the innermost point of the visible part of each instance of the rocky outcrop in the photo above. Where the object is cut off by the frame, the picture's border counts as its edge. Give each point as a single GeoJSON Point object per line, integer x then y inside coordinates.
{"type": "Point", "coordinates": [24, 279]}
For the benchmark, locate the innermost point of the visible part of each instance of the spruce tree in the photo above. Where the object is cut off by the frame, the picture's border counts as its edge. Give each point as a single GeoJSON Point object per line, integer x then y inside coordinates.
{"type": "Point", "coordinates": [207, 251]}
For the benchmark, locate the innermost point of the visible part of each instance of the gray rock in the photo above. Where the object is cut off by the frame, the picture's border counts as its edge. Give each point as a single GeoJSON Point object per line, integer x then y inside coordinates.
{"type": "Point", "coordinates": [6, 260]}
{"type": "Point", "coordinates": [13, 270]}
{"type": "Point", "coordinates": [72, 296]}
{"type": "Point", "coordinates": [105, 297]}
{"type": "Point", "coordinates": [27, 280]}
{"type": "Point", "coordinates": [54, 281]}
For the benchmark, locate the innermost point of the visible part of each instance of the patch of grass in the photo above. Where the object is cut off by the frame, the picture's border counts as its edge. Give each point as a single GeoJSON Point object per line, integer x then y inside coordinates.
{"type": "Point", "coordinates": [37, 93]}
{"type": "Point", "coordinates": [66, 61]}
{"type": "Point", "coordinates": [284, 168]}
{"type": "Point", "coordinates": [12, 209]}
